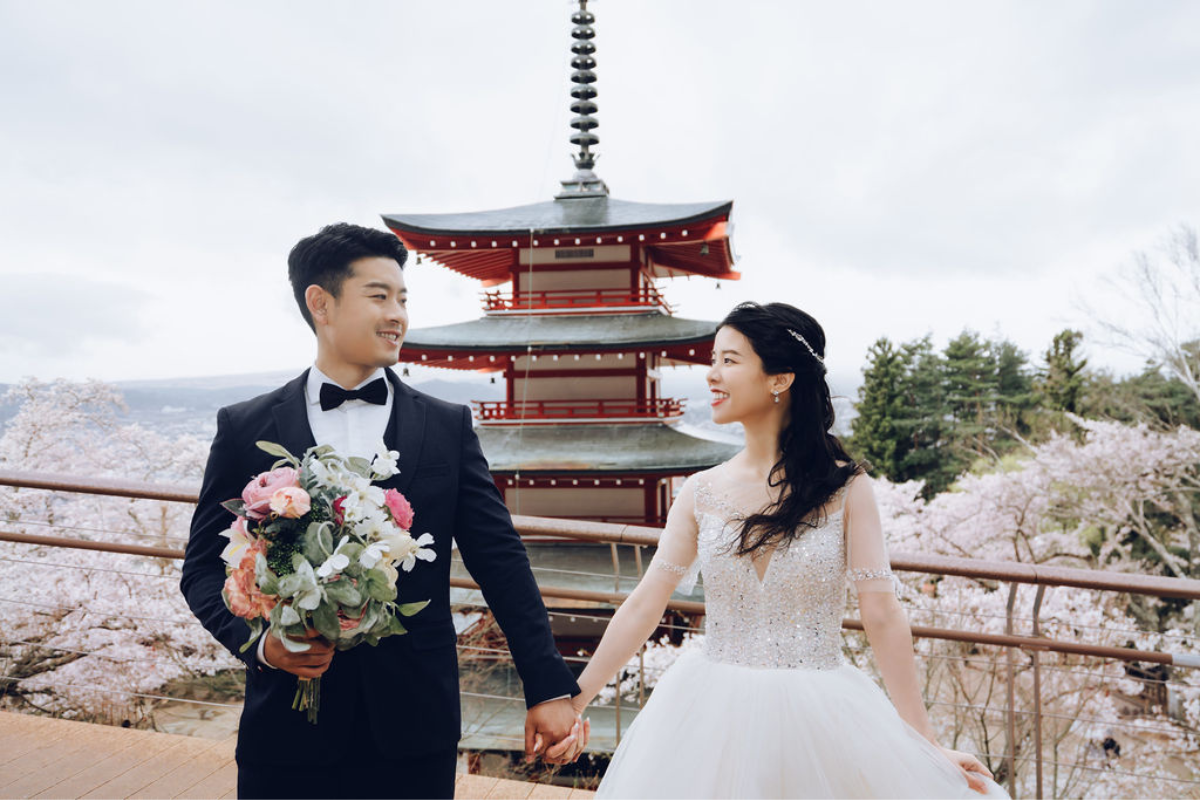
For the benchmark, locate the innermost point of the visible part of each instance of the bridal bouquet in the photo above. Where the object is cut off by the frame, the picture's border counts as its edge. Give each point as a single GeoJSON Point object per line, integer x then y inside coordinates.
{"type": "Point", "coordinates": [316, 545]}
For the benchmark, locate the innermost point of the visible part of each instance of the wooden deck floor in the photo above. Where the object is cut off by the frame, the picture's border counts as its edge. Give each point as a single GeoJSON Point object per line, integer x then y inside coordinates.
{"type": "Point", "coordinates": [53, 758]}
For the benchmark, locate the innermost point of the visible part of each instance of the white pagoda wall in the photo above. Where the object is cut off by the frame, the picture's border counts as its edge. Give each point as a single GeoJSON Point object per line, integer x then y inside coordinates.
{"type": "Point", "coordinates": [590, 279]}
{"type": "Point", "coordinates": [576, 501]}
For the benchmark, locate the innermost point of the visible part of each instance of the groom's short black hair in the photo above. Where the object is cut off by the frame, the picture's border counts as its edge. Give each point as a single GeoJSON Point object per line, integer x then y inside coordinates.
{"type": "Point", "coordinates": [325, 257]}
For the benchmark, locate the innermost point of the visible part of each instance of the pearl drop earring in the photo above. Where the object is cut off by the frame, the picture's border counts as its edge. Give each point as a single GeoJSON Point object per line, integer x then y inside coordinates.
{"type": "Point", "coordinates": [776, 393]}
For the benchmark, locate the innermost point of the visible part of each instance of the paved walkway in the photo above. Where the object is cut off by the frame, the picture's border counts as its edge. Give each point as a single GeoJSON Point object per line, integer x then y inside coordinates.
{"type": "Point", "coordinates": [54, 758]}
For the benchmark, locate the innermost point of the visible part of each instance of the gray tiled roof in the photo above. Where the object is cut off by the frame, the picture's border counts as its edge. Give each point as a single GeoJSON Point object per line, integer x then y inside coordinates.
{"type": "Point", "coordinates": [566, 216]}
{"type": "Point", "coordinates": [562, 331]}
{"type": "Point", "coordinates": [599, 449]}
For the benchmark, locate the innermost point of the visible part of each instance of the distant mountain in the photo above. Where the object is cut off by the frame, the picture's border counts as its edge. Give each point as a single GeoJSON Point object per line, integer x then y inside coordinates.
{"type": "Point", "coordinates": [189, 405]}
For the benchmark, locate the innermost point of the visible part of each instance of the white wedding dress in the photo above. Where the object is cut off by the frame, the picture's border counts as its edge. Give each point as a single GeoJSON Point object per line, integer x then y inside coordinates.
{"type": "Point", "coordinates": [768, 707]}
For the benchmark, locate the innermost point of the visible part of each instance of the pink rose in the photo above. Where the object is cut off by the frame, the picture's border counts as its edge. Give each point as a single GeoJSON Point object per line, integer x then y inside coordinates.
{"type": "Point", "coordinates": [291, 502]}
{"type": "Point", "coordinates": [258, 492]}
{"type": "Point", "coordinates": [402, 512]}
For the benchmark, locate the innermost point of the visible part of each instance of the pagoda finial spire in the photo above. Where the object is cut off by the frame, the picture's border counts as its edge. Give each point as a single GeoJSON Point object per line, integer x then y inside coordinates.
{"type": "Point", "coordinates": [584, 183]}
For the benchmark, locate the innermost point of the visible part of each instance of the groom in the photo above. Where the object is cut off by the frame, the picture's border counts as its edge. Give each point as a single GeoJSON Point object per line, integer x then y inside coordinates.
{"type": "Point", "coordinates": [390, 719]}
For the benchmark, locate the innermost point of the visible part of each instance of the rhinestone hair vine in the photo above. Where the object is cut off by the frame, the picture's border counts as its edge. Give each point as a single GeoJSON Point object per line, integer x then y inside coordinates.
{"type": "Point", "coordinates": [807, 346]}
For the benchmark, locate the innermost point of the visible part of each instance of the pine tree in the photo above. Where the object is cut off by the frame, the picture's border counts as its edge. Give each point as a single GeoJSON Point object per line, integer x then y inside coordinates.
{"type": "Point", "coordinates": [1064, 379]}
{"type": "Point", "coordinates": [971, 389]}
{"type": "Point", "coordinates": [923, 423]}
{"type": "Point", "coordinates": [874, 435]}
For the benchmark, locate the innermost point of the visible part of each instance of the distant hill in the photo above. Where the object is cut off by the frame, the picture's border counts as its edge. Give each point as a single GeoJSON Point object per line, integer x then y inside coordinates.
{"type": "Point", "coordinates": [189, 405]}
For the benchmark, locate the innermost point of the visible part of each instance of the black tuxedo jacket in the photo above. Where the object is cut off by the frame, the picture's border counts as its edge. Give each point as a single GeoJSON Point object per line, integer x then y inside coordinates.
{"type": "Point", "coordinates": [403, 693]}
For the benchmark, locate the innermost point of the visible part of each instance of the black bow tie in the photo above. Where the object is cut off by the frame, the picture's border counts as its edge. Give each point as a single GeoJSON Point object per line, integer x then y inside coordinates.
{"type": "Point", "coordinates": [333, 395]}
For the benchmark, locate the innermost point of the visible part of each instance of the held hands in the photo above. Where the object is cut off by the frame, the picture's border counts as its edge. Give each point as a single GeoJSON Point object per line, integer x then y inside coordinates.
{"type": "Point", "coordinates": [971, 768]}
{"type": "Point", "coordinates": [310, 663]}
{"type": "Point", "coordinates": [555, 731]}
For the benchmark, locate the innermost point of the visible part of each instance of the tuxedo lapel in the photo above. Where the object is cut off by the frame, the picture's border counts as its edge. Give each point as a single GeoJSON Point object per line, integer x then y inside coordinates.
{"type": "Point", "coordinates": [405, 431]}
{"type": "Point", "coordinates": [291, 418]}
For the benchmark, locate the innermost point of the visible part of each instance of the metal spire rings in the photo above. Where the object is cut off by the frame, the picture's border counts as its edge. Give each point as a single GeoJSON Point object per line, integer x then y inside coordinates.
{"type": "Point", "coordinates": [584, 183]}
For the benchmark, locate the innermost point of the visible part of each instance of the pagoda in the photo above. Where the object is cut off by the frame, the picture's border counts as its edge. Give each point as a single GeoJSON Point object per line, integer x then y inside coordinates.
{"type": "Point", "coordinates": [576, 323]}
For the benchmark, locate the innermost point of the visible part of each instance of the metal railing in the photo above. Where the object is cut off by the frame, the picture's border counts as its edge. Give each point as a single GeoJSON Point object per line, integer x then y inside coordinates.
{"type": "Point", "coordinates": [527, 411]}
{"type": "Point", "coordinates": [576, 301]}
{"type": "Point", "coordinates": [1033, 647]}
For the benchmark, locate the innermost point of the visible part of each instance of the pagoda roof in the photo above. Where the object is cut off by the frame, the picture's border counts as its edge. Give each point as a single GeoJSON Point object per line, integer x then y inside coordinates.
{"type": "Point", "coordinates": [568, 215]}
{"type": "Point", "coordinates": [680, 238]}
{"type": "Point", "coordinates": [597, 449]}
{"type": "Point", "coordinates": [559, 333]}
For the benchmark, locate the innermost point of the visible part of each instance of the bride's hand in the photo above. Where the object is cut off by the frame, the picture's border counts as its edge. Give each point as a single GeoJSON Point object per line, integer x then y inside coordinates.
{"type": "Point", "coordinates": [971, 768]}
{"type": "Point", "coordinates": [578, 704]}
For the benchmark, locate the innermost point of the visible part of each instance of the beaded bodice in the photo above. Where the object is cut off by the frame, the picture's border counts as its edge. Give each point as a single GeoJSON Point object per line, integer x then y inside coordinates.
{"type": "Point", "coordinates": [792, 617]}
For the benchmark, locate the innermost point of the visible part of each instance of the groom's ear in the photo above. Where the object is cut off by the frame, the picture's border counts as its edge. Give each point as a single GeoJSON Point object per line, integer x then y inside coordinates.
{"type": "Point", "coordinates": [317, 300]}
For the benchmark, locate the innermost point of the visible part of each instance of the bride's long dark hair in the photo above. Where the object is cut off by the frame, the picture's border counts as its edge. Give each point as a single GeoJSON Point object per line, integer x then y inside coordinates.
{"type": "Point", "coordinates": [808, 471]}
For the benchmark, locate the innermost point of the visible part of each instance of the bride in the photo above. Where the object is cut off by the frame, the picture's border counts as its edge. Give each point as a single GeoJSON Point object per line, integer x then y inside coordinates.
{"type": "Point", "coordinates": [768, 707]}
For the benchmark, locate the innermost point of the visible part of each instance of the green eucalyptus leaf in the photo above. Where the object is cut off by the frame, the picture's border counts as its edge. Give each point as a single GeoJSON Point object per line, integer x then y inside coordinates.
{"type": "Point", "coordinates": [256, 630]}
{"type": "Point", "coordinates": [277, 450]}
{"type": "Point", "coordinates": [408, 609]}
{"type": "Point", "coordinates": [310, 543]}
{"type": "Point", "coordinates": [344, 593]}
{"type": "Point", "coordinates": [325, 620]}
{"type": "Point", "coordinates": [294, 646]}
{"type": "Point", "coordinates": [360, 465]}
{"type": "Point", "coordinates": [377, 586]}
{"type": "Point", "coordinates": [236, 507]}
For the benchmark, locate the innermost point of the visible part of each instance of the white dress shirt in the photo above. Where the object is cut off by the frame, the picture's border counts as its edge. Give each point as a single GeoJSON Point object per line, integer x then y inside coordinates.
{"type": "Point", "coordinates": [355, 428]}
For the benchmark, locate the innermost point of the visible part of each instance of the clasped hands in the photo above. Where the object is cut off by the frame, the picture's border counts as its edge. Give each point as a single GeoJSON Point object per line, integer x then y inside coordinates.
{"type": "Point", "coordinates": [556, 731]}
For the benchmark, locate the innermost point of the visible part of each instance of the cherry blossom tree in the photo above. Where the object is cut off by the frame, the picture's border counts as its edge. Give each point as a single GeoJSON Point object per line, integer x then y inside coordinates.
{"type": "Point", "coordinates": [83, 631]}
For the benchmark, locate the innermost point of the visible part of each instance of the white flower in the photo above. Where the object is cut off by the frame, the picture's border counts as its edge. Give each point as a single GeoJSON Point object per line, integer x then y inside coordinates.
{"type": "Point", "coordinates": [239, 540]}
{"type": "Point", "coordinates": [336, 562]}
{"type": "Point", "coordinates": [321, 474]}
{"type": "Point", "coordinates": [384, 464]}
{"type": "Point", "coordinates": [416, 550]}
{"type": "Point", "coordinates": [372, 554]}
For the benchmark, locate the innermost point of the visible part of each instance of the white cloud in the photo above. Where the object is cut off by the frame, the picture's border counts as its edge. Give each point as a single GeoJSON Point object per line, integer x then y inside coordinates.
{"type": "Point", "coordinates": [896, 168]}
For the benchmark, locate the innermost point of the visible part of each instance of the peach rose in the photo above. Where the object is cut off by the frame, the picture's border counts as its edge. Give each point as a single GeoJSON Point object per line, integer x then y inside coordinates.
{"type": "Point", "coordinates": [258, 492]}
{"type": "Point", "coordinates": [241, 587]}
{"type": "Point", "coordinates": [291, 502]}
{"type": "Point", "coordinates": [401, 510]}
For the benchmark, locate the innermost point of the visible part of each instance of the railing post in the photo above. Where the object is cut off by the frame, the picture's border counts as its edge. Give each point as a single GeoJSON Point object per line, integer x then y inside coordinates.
{"type": "Point", "coordinates": [1037, 690]}
{"type": "Point", "coordinates": [1011, 714]}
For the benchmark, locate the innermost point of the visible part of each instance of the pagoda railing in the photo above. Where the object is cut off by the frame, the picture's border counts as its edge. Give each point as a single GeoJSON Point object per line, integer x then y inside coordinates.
{"type": "Point", "coordinates": [577, 301]}
{"type": "Point", "coordinates": [504, 411]}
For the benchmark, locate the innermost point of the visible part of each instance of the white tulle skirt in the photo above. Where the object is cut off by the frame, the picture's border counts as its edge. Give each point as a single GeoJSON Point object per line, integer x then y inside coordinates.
{"type": "Point", "coordinates": [720, 730]}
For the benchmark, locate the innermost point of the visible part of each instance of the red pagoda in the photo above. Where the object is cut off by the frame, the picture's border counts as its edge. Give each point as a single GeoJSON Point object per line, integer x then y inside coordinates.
{"type": "Point", "coordinates": [575, 321]}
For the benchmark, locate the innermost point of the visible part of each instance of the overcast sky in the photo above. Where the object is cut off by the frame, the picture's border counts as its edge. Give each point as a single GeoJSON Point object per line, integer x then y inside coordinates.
{"type": "Point", "coordinates": [896, 168]}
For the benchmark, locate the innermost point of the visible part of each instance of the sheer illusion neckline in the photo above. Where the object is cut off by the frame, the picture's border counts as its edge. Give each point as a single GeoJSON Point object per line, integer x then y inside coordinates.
{"type": "Point", "coordinates": [720, 501]}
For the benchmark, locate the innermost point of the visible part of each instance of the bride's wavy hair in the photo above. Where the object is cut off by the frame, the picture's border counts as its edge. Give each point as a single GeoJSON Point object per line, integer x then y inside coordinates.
{"type": "Point", "coordinates": [808, 469]}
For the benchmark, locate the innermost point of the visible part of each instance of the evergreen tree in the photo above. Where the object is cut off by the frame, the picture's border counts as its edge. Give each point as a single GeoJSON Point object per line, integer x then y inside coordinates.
{"type": "Point", "coordinates": [1015, 398]}
{"type": "Point", "coordinates": [924, 421]}
{"type": "Point", "coordinates": [874, 433]}
{"type": "Point", "coordinates": [971, 387]}
{"type": "Point", "coordinates": [1064, 378]}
